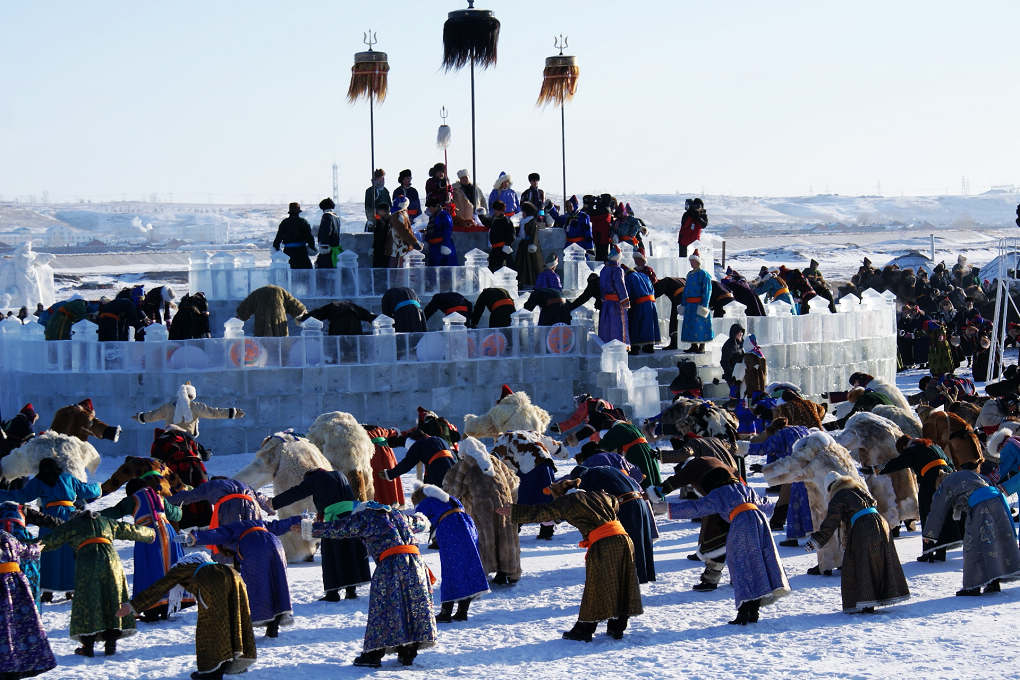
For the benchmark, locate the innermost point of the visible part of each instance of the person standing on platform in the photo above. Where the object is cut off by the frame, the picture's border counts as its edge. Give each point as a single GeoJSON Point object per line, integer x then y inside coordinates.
{"type": "Point", "coordinates": [295, 235]}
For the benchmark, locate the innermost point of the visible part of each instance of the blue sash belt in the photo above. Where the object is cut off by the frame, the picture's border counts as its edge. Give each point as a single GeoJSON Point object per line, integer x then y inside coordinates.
{"type": "Point", "coordinates": [861, 513]}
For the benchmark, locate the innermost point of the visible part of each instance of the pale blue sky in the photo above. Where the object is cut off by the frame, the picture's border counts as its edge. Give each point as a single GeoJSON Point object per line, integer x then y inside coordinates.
{"type": "Point", "coordinates": [235, 101]}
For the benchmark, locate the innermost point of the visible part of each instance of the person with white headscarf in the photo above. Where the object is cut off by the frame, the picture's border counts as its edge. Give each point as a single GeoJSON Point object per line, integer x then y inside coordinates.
{"type": "Point", "coordinates": [183, 412]}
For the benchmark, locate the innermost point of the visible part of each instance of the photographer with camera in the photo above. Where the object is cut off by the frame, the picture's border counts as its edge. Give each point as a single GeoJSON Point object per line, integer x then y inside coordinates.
{"type": "Point", "coordinates": [694, 220]}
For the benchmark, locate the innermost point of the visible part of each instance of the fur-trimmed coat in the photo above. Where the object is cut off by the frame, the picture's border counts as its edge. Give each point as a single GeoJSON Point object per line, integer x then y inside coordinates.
{"type": "Point", "coordinates": [346, 445]}
{"type": "Point", "coordinates": [198, 410]}
{"type": "Point", "coordinates": [270, 306]}
{"type": "Point", "coordinates": [81, 422]}
{"type": "Point", "coordinates": [75, 456]}
{"type": "Point", "coordinates": [511, 413]}
{"type": "Point", "coordinates": [802, 412]}
{"type": "Point", "coordinates": [484, 483]}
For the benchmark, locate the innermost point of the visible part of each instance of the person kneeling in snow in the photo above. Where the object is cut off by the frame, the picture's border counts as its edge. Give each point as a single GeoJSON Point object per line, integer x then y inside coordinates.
{"type": "Point", "coordinates": [224, 640]}
{"type": "Point", "coordinates": [464, 578]}
{"type": "Point", "coordinates": [871, 575]}
{"type": "Point", "coordinates": [611, 589]}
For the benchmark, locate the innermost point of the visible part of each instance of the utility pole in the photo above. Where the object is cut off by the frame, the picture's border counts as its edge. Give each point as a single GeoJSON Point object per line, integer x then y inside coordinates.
{"type": "Point", "coordinates": [336, 184]}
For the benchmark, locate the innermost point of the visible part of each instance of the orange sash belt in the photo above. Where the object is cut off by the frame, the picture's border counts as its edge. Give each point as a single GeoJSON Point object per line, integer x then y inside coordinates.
{"type": "Point", "coordinates": [90, 541]}
{"type": "Point", "coordinates": [575, 239]}
{"type": "Point", "coordinates": [214, 523]}
{"type": "Point", "coordinates": [60, 504]}
{"type": "Point", "coordinates": [436, 241]}
{"type": "Point", "coordinates": [646, 298]}
{"type": "Point", "coordinates": [9, 567]}
{"type": "Point", "coordinates": [249, 530]}
{"type": "Point", "coordinates": [612, 297]}
{"type": "Point", "coordinates": [499, 244]}
{"type": "Point", "coordinates": [501, 303]}
{"type": "Point", "coordinates": [628, 497]}
{"type": "Point", "coordinates": [399, 550]}
{"type": "Point", "coordinates": [693, 300]}
{"type": "Point", "coordinates": [608, 529]}
{"type": "Point", "coordinates": [439, 454]}
{"type": "Point", "coordinates": [781, 291]}
{"type": "Point", "coordinates": [626, 447]}
{"type": "Point", "coordinates": [933, 464]}
{"type": "Point", "coordinates": [743, 507]}
{"type": "Point", "coordinates": [447, 514]}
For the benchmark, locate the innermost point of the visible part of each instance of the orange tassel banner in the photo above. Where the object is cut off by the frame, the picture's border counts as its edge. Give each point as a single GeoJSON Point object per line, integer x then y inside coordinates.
{"type": "Point", "coordinates": [559, 80]}
{"type": "Point", "coordinates": [368, 76]}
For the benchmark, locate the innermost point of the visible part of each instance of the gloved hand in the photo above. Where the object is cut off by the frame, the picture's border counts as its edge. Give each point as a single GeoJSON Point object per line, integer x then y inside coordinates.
{"type": "Point", "coordinates": [385, 474]}
{"type": "Point", "coordinates": [508, 250]}
{"type": "Point", "coordinates": [703, 311]}
{"type": "Point", "coordinates": [554, 428]}
{"type": "Point", "coordinates": [445, 250]}
{"type": "Point", "coordinates": [755, 468]}
{"type": "Point", "coordinates": [809, 545]}
{"type": "Point", "coordinates": [238, 413]}
{"type": "Point", "coordinates": [186, 538]}
{"type": "Point", "coordinates": [655, 493]}
{"type": "Point", "coordinates": [532, 249]}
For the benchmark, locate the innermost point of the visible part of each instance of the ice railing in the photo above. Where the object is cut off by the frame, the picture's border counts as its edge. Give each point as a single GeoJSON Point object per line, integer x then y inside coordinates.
{"type": "Point", "coordinates": [24, 350]}
{"type": "Point", "coordinates": [225, 276]}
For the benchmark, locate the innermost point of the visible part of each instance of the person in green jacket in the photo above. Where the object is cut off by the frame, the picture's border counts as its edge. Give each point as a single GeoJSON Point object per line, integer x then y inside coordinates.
{"type": "Point", "coordinates": [63, 315]}
{"type": "Point", "coordinates": [627, 440]}
{"type": "Point", "coordinates": [940, 354]}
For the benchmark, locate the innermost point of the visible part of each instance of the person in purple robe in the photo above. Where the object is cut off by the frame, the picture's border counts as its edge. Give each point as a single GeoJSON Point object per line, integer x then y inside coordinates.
{"type": "Point", "coordinates": [24, 649]}
{"type": "Point", "coordinates": [615, 302]}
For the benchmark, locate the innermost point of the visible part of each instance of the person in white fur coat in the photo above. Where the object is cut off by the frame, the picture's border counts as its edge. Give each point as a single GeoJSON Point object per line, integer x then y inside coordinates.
{"type": "Point", "coordinates": [512, 412]}
{"type": "Point", "coordinates": [184, 412]}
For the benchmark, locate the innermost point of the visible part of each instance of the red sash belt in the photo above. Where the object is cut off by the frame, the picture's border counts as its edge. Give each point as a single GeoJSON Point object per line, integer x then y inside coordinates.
{"type": "Point", "coordinates": [612, 297]}
{"type": "Point", "coordinates": [458, 308]}
{"type": "Point", "coordinates": [626, 447]}
{"type": "Point", "coordinates": [694, 300]}
{"type": "Point", "coordinates": [435, 241]}
{"type": "Point", "coordinates": [646, 298]}
{"type": "Point", "coordinates": [501, 303]}
{"type": "Point", "coordinates": [499, 244]}
{"type": "Point", "coordinates": [608, 529]}
{"type": "Point", "coordinates": [575, 239]}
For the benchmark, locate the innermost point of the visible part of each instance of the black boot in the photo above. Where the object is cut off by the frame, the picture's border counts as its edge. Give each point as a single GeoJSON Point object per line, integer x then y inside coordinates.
{"type": "Point", "coordinates": [582, 632]}
{"type": "Point", "coordinates": [545, 532]}
{"type": "Point", "coordinates": [743, 615]}
{"type": "Point", "coordinates": [88, 645]}
{"type": "Point", "coordinates": [940, 555]}
{"type": "Point", "coordinates": [462, 609]}
{"type": "Point", "coordinates": [704, 587]}
{"type": "Point", "coordinates": [789, 543]}
{"type": "Point", "coordinates": [331, 596]}
{"type": "Point", "coordinates": [895, 533]}
{"type": "Point", "coordinates": [500, 579]}
{"type": "Point", "coordinates": [615, 627]}
{"type": "Point", "coordinates": [371, 659]}
{"type": "Point", "coordinates": [351, 593]}
{"type": "Point", "coordinates": [752, 611]}
{"type": "Point", "coordinates": [445, 614]}
{"type": "Point", "coordinates": [406, 653]}
{"type": "Point", "coordinates": [149, 616]}
{"type": "Point", "coordinates": [273, 628]}
{"type": "Point", "coordinates": [110, 639]}
{"type": "Point", "coordinates": [778, 519]}
{"type": "Point", "coordinates": [47, 597]}
{"type": "Point", "coordinates": [69, 595]}
{"type": "Point", "coordinates": [868, 610]}
{"type": "Point", "coordinates": [968, 592]}
{"type": "Point", "coordinates": [211, 675]}
{"type": "Point", "coordinates": [927, 557]}
{"type": "Point", "coordinates": [993, 587]}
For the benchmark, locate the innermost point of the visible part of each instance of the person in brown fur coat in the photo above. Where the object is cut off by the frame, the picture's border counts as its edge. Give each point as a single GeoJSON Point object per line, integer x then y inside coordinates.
{"type": "Point", "coordinates": [270, 306]}
{"type": "Point", "coordinates": [483, 483]}
{"type": "Point", "coordinates": [79, 420]}
{"type": "Point", "coordinates": [800, 411]}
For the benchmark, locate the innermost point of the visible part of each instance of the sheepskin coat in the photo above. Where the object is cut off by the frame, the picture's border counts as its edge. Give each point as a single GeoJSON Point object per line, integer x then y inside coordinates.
{"type": "Point", "coordinates": [527, 454]}
{"type": "Point", "coordinates": [81, 422]}
{"type": "Point", "coordinates": [484, 483]}
{"type": "Point", "coordinates": [270, 306]}
{"type": "Point", "coordinates": [780, 445]}
{"type": "Point", "coordinates": [348, 448]}
{"type": "Point", "coordinates": [801, 412]}
{"type": "Point", "coordinates": [513, 412]}
{"type": "Point", "coordinates": [871, 574]}
{"type": "Point", "coordinates": [198, 410]}
{"type": "Point", "coordinates": [905, 419]}
{"type": "Point", "coordinates": [283, 459]}
{"type": "Point", "coordinates": [75, 456]}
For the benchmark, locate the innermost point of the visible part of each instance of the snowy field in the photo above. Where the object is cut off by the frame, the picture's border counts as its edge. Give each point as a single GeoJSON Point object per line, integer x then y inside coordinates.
{"type": "Point", "coordinates": [515, 632]}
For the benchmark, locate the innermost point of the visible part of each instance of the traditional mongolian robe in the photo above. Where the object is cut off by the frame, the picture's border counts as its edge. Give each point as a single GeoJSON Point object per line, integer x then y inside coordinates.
{"type": "Point", "coordinates": [931, 465]}
{"type": "Point", "coordinates": [990, 551]}
{"type": "Point", "coordinates": [259, 556]}
{"type": "Point", "coordinates": [463, 575]}
{"type": "Point", "coordinates": [613, 314]}
{"type": "Point", "coordinates": [344, 561]}
{"type": "Point", "coordinates": [697, 293]}
{"type": "Point", "coordinates": [871, 575]}
{"type": "Point", "coordinates": [642, 317]}
{"type": "Point", "coordinates": [634, 512]}
{"type": "Point", "coordinates": [611, 588]}
{"type": "Point", "coordinates": [629, 442]}
{"type": "Point", "coordinates": [232, 501]}
{"type": "Point", "coordinates": [482, 491]}
{"type": "Point", "coordinates": [400, 602]}
{"type": "Point", "coordinates": [528, 456]}
{"type": "Point", "coordinates": [152, 560]}
{"type": "Point", "coordinates": [614, 460]}
{"type": "Point", "coordinates": [439, 235]}
{"type": "Point", "coordinates": [57, 569]}
{"type": "Point", "coordinates": [780, 445]}
{"type": "Point", "coordinates": [433, 453]}
{"type": "Point", "coordinates": [134, 467]}
{"type": "Point", "coordinates": [751, 555]}
{"type": "Point", "coordinates": [24, 649]}
{"type": "Point", "coordinates": [14, 519]}
{"type": "Point", "coordinates": [100, 585]}
{"type": "Point", "coordinates": [223, 633]}
{"type": "Point", "coordinates": [386, 492]}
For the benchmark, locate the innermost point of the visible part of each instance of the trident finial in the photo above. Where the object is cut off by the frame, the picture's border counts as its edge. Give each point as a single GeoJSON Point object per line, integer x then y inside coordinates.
{"type": "Point", "coordinates": [369, 38]}
{"type": "Point", "coordinates": [443, 114]}
{"type": "Point", "coordinates": [560, 43]}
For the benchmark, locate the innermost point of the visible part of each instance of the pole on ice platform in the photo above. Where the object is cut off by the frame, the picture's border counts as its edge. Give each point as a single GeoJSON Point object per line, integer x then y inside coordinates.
{"type": "Point", "coordinates": [443, 139]}
{"type": "Point", "coordinates": [369, 79]}
{"type": "Point", "coordinates": [932, 249]}
{"type": "Point", "coordinates": [559, 83]}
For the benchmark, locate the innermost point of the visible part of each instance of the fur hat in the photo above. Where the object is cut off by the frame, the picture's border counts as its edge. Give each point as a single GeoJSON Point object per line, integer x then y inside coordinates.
{"type": "Point", "coordinates": [476, 451]}
{"type": "Point", "coordinates": [326, 204]}
{"type": "Point", "coordinates": [528, 209]}
{"type": "Point", "coordinates": [294, 209]}
{"type": "Point", "coordinates": [432, 491]}
{"type": "Point", "coordinates": [587, 451]}
{"type": "Point", "coordinates": [87, 405]}
{"type": "Point", "coordinates": [503, 177]}
{"type": "Point", "coordinates": [614, 253]}
{"type": "Point", "coordinates": [552, 258]}
{"type": "Point", "coordinates": [534, 177]}
{"type": "Point", "coordinates": [572, 203]}
{"type": "Point", "coordinates": [404, 173]}
{"type": "Point", "coordinates": [903, 443]}
{"type": "Point", "coordinates": [695, 256]}
{"type": "Point", "coordinates": [29, 412]}
{"type": "Point", "coordinates": [400, 203]}
{"type": "Point", "coordinates": [504, 392]}
{"type": "Point", "coordinates": [999, 440]}
{"type": "Point", "coordinates": [379, 172]}
{"type": "Point", "coordinates": [498, 205]}
{"type": "Point", "coordinates": [167, 294]}
{"type": "Point", "coordinates": [462, 173]}
{"type": "Point", "coordinates": [182, 405]}
{"type": "Point", "coordinates": [438, 167]}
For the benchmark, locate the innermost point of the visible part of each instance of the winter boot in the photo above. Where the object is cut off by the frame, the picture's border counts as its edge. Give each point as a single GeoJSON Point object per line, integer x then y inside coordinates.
{"type": "Point", "coordinates": [743, 615]}
{"type": "Point", "coordinates": [500, 579]}
{"type": "Point", "coordinates": [47, 597]}
{"type": "Point", "coordinates": [149, 616]}
{"type": "Point", "coordinates": [211, 675]}
{"type": "Point", "coordinates": [615, 627]}
{"type": "Point", "coordinates": [351, 593]}
{"type": "Point", "coordinates": [778, 520]}
{"type": "Point", "coordinates": [111, 433]}
{"type": "Point", "coordinates": [88, 645]}
{"type": "Point", "coordinates": [371, 659]}
{"type": "Point", "coordinates": [693, 349]}
{"type": "Point", "coordinates": [331, 596]}
{"type": "Point", "coordinates": [69, 595]}
{"type": "Point", "coordinates": [693, 557]}
{"type": "Point", "coordinates": [704, 586]}
{"type": "Point", "coordinates": [672, 343]}
{"type": "Point", "coordinates": [927, 557]}
{"type": "Point", "coordinates": [895, 533]}
{"type": "Point", "coordinates": [110, 639]}
{"type": "Point", "coordinates": [790, 543]}
{"type": "Point", "coordinates": [993, 587]}
{"type": "Point", "coordinates": [406, 653]}
{"type": "Point", "coordinates": [273, 628]}
{"type": "Point", "coordinates": [910, 525]}
{"type": "Point", "coordinates": [940, 555]}
{"type": "Point", "coordinates": [868, 610]}
{"type": "Point", "coordinates": [445, 614]}
{"type": "Point", "coordinates": [752, 611]}
{"type": "Point", "coordinates": [582, 631]}
{"type": "Point", "coordinates": [462, 609]}
{"type": "Point", "coordinates": [649, 348]}
{"type": "Point", "coordinates": [968, 592]}
{"type": "Point", "coordinates": [545, 532]}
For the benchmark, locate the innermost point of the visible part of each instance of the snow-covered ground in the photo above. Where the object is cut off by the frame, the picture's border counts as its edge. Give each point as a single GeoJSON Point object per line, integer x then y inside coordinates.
{"type": "Point", "coordinates": [515, 632]}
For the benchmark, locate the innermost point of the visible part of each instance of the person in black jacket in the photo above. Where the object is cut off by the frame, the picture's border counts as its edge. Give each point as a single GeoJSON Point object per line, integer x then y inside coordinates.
{"type": "Point", "coordinates": [501, 238]}
{"type": "Point", "coordinates": [157, 302]}
{"type": "Point", "coordinates": [591, 291]}
{"type": "Point", "coordinates": [433, 453]}
{"type": "Point", "coordinates": [500, 305]}
{"type": "Point", "coordinates": [295, 235]}
{"type": "Point", "coordinates": [405, 189]}
{"type": "Point", "coordinates": [448, 303]}
{"type": "Point", "coordinates": [672, 288]}
{"type": "Point", "coordinates": [551, 302]}
{"type": "Point", "coordinates": [192, 318]}
{"type": "Point", "coordinates": [403, 306]}
{"type": "Point", "coordinates": [344, 317]}
{"type": "Point", "coordinates": [533, 194]}
{"type": "Point", "coordinates": [117, 315]}
{"type": "Point", "coordinates": [329, 235]}
{"type": "Point", "coordinates": [733, 354]}
{"type": "Point", "coordinates": [13, 434]}
{"type": "Point", "coordinates": [344, 560]}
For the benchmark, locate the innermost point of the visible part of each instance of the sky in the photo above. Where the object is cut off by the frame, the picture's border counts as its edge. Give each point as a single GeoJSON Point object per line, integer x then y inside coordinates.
{"type": "Point", "coordinates": [246, 102]}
